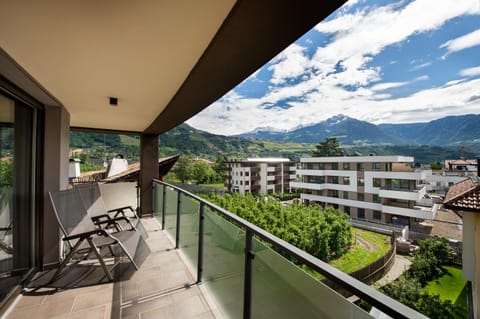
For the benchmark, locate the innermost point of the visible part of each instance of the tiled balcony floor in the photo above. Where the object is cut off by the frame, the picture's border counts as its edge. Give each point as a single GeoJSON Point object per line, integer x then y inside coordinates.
{"type": "Point", "coordinates": [162, 288]}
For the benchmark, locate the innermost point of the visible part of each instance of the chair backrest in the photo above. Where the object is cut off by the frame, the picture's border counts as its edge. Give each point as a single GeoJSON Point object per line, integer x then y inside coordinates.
{"type": "Point", "coordinates": [92, 198]}
{"type": "Point", "coordinates": [70, 212]}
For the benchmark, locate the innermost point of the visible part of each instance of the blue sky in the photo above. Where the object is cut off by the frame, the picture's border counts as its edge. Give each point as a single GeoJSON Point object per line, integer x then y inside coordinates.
{"type": "Point", "coordinates": [377, 61]}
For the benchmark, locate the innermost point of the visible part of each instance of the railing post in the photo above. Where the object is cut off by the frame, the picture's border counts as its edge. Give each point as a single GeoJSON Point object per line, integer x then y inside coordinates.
{"type": "Point", "coordinates": [177, 232]}
{"type": "Point", "coordinates": [201, 217]}
{"type": "Point", "coordinates": [247, 287]}
{"type": "Point", "coordinates": [164, 205]}
{"type": "Point", "coordinates": [154, 198]}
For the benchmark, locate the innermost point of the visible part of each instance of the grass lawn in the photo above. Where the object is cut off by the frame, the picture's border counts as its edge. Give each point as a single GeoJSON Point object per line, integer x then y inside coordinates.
{"type": "Point", "coordinates": [449, 286]}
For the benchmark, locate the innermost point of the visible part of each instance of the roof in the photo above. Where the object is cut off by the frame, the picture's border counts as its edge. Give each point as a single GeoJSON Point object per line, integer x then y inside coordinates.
{"type": "Point", "coordinates": [464, 195]}
{"type": "Point", "coordinates": [165, 61]}
{"type": "Point", "coordinates": [359, 159]}
{"type": "Point", "coordinates": [164, 166]}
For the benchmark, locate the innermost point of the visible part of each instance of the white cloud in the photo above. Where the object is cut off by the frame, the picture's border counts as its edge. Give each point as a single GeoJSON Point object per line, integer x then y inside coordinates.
{"type": "Point", "coordinates": [470, 71]}
{"type": "Point", "coordinates": [421, 66]}
{"type": "Point", "coordinates": [387, 85]}
{"type": "Point", "coordinates": [290, 63]}
{"type": "Point", "coordinates": [338, 77]}
{"type": "Point", "coordinates": [422, 78]}
{"type": "Point", "coordinates": [464, 42]}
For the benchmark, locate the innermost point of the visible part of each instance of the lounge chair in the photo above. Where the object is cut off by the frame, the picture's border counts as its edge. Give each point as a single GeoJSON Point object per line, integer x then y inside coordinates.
{"type": "Point", "coordinates": [96, 208]}
{"type": "Point", "coordinates": [85, 237]}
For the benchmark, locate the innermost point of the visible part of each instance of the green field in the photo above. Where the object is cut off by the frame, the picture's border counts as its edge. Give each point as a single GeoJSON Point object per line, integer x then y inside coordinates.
{"type": "Point", "coordinates": [449, 286]}
{"type": "Point", "coordinates": [358, 256]}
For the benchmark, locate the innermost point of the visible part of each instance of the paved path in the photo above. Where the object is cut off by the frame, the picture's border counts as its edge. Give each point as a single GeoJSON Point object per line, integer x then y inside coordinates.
{"type": "Point", "coordinates": [400, 265]}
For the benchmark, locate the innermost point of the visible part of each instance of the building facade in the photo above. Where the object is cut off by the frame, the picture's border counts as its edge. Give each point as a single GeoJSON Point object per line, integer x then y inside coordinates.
{"type": "Point", "coordinates": [260, 175]}
{"type": "Point", "coordinates": [376, 188]}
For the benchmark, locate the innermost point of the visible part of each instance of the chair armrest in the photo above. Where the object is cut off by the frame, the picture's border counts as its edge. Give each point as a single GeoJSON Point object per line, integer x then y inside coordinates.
{"type": "Point", "coordinates": [121, 211]}
{"type": "Point", "coordinates": [98, 232]}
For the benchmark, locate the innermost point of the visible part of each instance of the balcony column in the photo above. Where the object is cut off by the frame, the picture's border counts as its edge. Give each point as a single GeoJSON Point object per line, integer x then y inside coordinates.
{"type": "Point", "coordinates": [55, 172]}
{"type": "Point", "coordinates": [148, 171]}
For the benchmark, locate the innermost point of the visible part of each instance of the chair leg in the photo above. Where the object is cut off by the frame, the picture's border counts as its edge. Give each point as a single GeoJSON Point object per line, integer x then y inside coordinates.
{"type": "Point", "coordinates": [67, 259]}
{"type": "Point", "coordinates": [100, 258]}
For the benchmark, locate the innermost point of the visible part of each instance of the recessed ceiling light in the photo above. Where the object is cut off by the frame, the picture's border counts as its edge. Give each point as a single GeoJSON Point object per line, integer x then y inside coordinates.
{"type": "Point", "coordinates": [113, 100]}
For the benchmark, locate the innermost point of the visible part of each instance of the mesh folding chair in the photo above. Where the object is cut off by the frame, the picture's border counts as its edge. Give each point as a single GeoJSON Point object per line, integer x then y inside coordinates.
{"type": "Point", "coordinates": [82, 235]}
{"type": "Point", "coordinates": [125, 217]}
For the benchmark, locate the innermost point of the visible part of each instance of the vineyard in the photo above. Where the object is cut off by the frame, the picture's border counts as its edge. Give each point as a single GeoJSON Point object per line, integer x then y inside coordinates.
{"type": "Point", "coordinates": [324, 233]}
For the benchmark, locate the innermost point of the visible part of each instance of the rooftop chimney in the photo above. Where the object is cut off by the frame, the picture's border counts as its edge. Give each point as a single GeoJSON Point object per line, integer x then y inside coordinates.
{"type": "Point", "coordinates": [478, 166]}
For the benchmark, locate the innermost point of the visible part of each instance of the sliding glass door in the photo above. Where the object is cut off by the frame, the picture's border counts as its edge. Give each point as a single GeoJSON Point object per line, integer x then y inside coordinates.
{"type": "Point", "coordinates": [17, 190]}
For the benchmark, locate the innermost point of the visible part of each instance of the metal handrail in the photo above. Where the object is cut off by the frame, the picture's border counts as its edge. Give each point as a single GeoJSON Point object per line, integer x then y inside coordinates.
{"type": "Point", "coordinates": [382, 302]}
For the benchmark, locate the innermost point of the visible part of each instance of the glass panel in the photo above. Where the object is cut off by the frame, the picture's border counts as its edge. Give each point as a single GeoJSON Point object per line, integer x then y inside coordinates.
{"type": "Point", "coordinates": [171, 196]}
{"type": "Point", "coordinates": [157, 200]}
{"type": "Point", "coordinates": [190, 209]}
{"type": "Point", "coordinates": [223, 263]}
{"type": "Point", "coordinates": [280, 289]}
{"type": "Point", "coordinates": [16, 193]}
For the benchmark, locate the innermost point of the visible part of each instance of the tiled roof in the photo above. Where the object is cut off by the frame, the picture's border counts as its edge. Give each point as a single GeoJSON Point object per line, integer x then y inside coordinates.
{"type": "Point", "coordinates": [464, 195]}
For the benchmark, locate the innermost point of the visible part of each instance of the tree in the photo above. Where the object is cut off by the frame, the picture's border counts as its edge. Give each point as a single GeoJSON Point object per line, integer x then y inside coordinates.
{"type": "Point", "coordinates": [436, 165]}
{"type": "Point", "coordinates": [202, 172]}
{"type": "Point", "coordinates": [329, 147]}
{"type": "Point", "coordinates": [183, 168]}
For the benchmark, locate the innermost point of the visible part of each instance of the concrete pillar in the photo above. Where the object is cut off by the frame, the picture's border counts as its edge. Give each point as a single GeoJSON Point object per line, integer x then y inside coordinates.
{"type": "Point", "coordinates": [55, 178]}
{"type": "Point", "coordinates": [148, 171]}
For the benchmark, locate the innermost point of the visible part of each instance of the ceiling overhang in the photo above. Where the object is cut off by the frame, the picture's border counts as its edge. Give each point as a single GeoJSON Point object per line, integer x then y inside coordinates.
{"type": "Point", "coordinates": [164, 60]}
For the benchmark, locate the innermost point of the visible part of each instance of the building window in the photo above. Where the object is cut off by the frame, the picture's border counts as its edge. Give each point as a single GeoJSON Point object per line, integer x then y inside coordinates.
{"type": "Point", "coordinates": [241, 182]}
{"type": "Point", "coordinates": [377, 182]}
{"type": "Point", "coordinates": [360, 181]}
{"type": "Point", "coordinates": [376, 198]}
{"type": "Point", "coordinates": [346, 209]}
{"type": "Point", "coordinates": [247, 174]}
{"type": "Point", "coordinates": [377, 214]}
{"type": "Point", "coordinates": [334, 179]}
{"type": "Point", "coordinates": [346, 166]}
{"type": "Point", "coordinates": [361, 197]}
{"type": "Point", "coordinates": [361, 213]}
{"type": "Point", "coordinates": [335, 166]}
{"type": "Point", "coordinates": [241, 173]}
{"type": "Point", "coordinates": [345, 195]}
{"type": "Point", "coordinates": [376, 166]}
{"type": "Point", "coordinates": [360, 167]}
{"type": "Point", "coordinates": [247, 183]}
{"type": "Point", "coordinates": [346, 180]}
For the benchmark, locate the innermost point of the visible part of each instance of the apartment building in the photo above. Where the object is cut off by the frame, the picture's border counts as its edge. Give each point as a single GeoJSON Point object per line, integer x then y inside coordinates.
{"type": "Point", "coordinates": [377, 188]}
{"type": "Point", "coordinates": [260, 175]}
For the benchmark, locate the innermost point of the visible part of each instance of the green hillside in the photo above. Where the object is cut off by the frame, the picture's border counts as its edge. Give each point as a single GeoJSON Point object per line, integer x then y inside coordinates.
{"type": "Point", "coordinates": [185, 140]}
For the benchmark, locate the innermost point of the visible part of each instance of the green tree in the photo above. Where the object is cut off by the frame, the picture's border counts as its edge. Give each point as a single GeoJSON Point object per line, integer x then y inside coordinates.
{"type": "Point", "coordinates": [6, 171]}
{"type": "Point", "coordinates": [436, 165]}
{"type": "Point", "coordinates": [202, 172]}
{"type": "Point", "coordinates": [183, 168]}
{"type": "Point", "coordinates": [329, 147]}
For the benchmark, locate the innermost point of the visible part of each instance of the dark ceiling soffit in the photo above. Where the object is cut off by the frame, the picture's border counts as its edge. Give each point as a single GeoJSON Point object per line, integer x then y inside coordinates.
{"type": "Point", "coordinates": [17, 75]}
{"type": "Point", "coordinates": [252, 34]}
{"type": "Point", "coordinates": [99, 130]}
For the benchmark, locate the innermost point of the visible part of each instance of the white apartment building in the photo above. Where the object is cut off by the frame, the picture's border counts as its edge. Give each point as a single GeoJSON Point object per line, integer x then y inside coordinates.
{"type": "Point", "coordinates": [260, 175]}
{"type": "Point", "coordinates": [377, 188]}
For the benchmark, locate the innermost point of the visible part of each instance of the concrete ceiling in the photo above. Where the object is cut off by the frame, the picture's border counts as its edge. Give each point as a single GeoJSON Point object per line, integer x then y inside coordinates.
{"type": "Point", "coordinates": [164, 60]}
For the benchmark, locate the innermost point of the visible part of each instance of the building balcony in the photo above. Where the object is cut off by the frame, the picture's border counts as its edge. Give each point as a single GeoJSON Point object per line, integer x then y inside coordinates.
{"type": "Point", "coordinates": [405, 194]}
{"type": "Point", "coordinates": [415, 212]}
{"type": "Point", "coordinates": [206, 262]}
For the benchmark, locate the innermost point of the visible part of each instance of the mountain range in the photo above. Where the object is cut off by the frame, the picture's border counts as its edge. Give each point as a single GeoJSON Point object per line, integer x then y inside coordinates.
{"type": "Point", "coordinates": [463, 130]}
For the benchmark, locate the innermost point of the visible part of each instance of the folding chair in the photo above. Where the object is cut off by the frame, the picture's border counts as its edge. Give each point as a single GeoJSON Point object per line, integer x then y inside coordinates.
{"type": "Point", "coordinates": [96, 208]}
{"type": "Point", "coordinates": [82, 235]}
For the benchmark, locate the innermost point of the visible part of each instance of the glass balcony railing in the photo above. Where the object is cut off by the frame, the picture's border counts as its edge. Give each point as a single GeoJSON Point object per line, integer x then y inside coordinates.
{"type": "Point", "coordinates": [242, 268]}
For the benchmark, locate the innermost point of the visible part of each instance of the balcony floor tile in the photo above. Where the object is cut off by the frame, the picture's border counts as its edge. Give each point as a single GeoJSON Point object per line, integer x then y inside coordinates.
{"type": "Point", "coordinates": [163, 287]}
